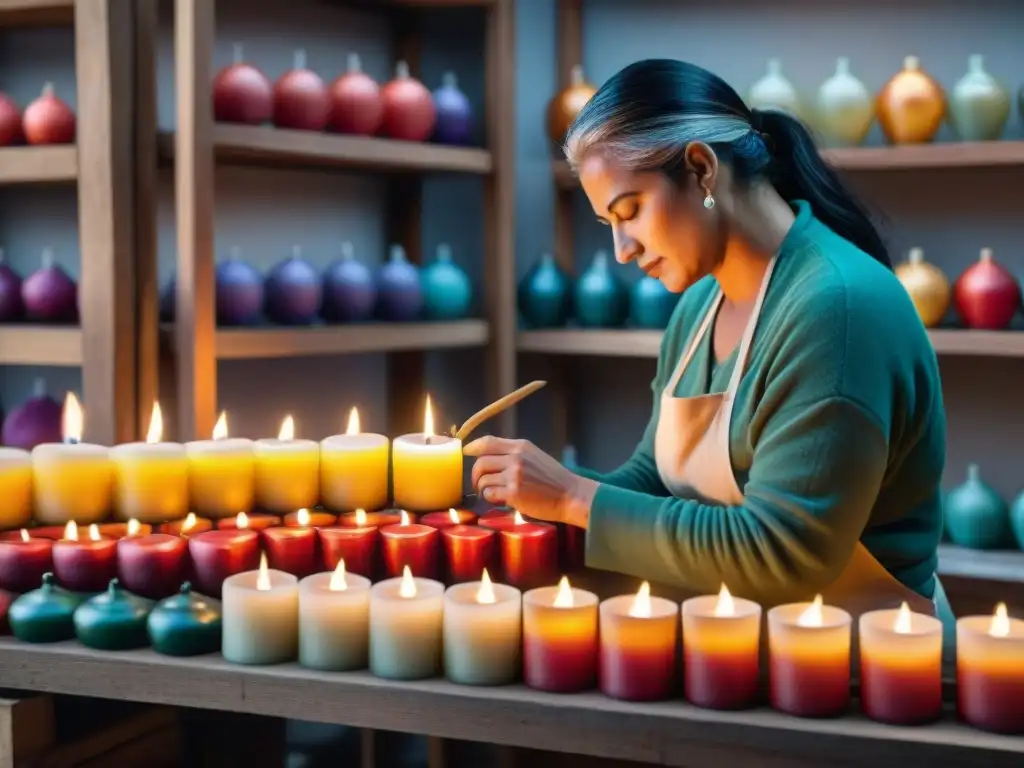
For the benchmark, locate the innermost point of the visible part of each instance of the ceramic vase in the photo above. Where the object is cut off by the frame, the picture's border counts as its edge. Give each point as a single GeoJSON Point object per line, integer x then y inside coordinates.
{"type": "Point", "coordinates": [912, 105]}
{"type": "Point", "coordinates": [979, 105]}
{"type": "Point", "coordinates": [774, 91]}
{"type": "Point", "coordinates": [845, 108]}
{"type": "Point", "coordinates": [545, 294]}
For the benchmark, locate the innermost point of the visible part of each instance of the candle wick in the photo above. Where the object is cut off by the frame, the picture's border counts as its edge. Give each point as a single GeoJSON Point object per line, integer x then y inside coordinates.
{"type": "Point", "coordinates": [427, 439]}
{"type": "Point", "coordinates": [71, 441]}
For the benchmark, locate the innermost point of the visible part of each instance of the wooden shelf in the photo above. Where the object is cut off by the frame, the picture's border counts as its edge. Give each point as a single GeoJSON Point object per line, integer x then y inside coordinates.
{"type": "Point", "coordinates": [38, 165]}
{"type": "Point", "coordinates": [40, 345]}
{"type": "Point", "coordinates": [990, 565]}
{"type": "Point", "coordinates": [274, 147]}
{"type": "Point", "coordinates": [37, 13]}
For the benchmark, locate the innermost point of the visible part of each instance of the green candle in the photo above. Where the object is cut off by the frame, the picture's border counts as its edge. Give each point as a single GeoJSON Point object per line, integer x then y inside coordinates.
{"type": "Point", "coordinates": [44, 615]}
{"type": "Point", "coordinates": [114, 620]}
{"type": "Point", "coordinates": [185, 624]}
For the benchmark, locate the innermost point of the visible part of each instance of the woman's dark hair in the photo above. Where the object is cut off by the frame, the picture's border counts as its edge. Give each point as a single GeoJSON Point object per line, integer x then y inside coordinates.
{"type": "Point", "coordinates": [647, 113]}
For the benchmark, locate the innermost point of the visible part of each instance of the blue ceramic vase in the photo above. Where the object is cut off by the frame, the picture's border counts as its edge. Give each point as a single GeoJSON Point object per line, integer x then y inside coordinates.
{"type": "Point", "coordinates": [545, 294]}
{"type": "Point", "coordinates": [975, 515]}
{"type": "Point", "coordinates": [651, 304]}
{"type": "Point", "coordinates": [601, 298]}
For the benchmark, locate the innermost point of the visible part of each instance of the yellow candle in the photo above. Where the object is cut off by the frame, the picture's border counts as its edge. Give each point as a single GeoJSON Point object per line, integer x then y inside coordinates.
{"type": "Point", "coordinates": [560, 645]}
{"type": "Point", "coordinates": [427, 469]}
{"type": "Point", "coordinates": [354, 469]}
{"type": "Point", "coordinates": [221, 473]}
{"type": "Point", "coordinates": [260, 616]}
{"type": "Point", "coordinates": [638, 646]}
{"type": "Point", "coordinates": [482, 632]}
{"type": "Point", "coordinates": [15, 487]}
{"type": "Point", "coordinates": [71, 480]}
{"type": "Point", "coordinates": [990, 671]}
{"type": "Point", "coordinates": [334, 620]}
{"type": "Point", "coordinates": [150, 478]}
{"type": "Point", "coordinates": [406, 627]}
{"type": "Point", "coordinates": [287, 471]}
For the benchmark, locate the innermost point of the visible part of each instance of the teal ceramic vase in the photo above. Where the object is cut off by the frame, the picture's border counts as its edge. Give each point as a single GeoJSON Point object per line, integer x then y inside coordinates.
{"type": "Point", "coordinates": [976, 516]}
{"type": "Point", "coordinates": [114, 620]}
{"type": "Point", "coordinates": [44, 615]}
{"type": "Point", "coordinates": [185, 624]}
{"type": "Point", "coordinates": [1017, 520]}
{"type": "Point", "coordinates": [651, 304]}
{"type": "Point", "coordinates": [447, 289]}
{"type": "Point", "coordinates": [601, 298]}
{"type": "Point", "coordinates": [545, 294]}
{"type": "Point", "coordinates": [979, 105]}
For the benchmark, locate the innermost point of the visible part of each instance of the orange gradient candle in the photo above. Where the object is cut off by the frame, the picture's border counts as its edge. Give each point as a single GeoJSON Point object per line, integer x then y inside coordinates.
{"type": "Point", "coordinates": [990, 671]}
{"type": "Point", "coordinates": [287, 471]}
{"type": "Point", "coordinates": [638, 646]}
{"type": "Point", "coordinates": [560, 646]}
{"type": "Point", "coordinates": [529, 553]}
{"type": "Point", "coordinates": [354, 469]}
{"type": "Point", "coordinates": [221, 473]}
{"type": "Point", "coordinates": [426, 469]}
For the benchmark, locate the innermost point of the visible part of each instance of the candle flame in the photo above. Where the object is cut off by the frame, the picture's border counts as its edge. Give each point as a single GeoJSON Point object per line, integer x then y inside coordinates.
{"type": "Point", "coordinates": [485, 595]}
{"type": "Point", "coordinates": [353, 422]}
{"type": "Point", "coordinates": [812, 616]}
{"type": "Point", "coordinates": [241, 520]}
{"type": "Point", "coordinates": [156, 424]}
{"type": "Point", "coordinates": [24, 535]}
{"type": "Point", "coordinates": [190, 522]}
{"type": "Point", "coordinates": [263, 577]}
{"type": "Point", "coordinates": [302, 517]}
{"type": "Point", "coordinates": [94, 532]}
{"type": "Point", "coordinates": [338, 582]}
{"type": "Point", "coordinates": [1000, 626]}
{"type": "Point", "coordinates": [71, 531]}
{"type": "Point", "coordinates": [564, 598]}
{"type": "Point", "coordinates": [403, 518]}
{"type": "Point", "coordinates": [360, 517]}
{"type": "Point", "coordinates": [134, 527]}
{"type": "Point", "coordinates": [407, 588]}
{"type": "Point", "coordinates": [725, 606]}
{"type": "Point", "coordinates": [641, 607]}
{"type": "Point", "coordinates": [220, 429]}
{"type": "Point", "coordinates": [518, 519]}
{"type": "Point", "coordinates": [902, 625]}
{"type": "Point", "coordinates": [453, 515]}
{"type": "Point", "coordinates": [428, 419]}
{"type": "Point", "coordinates": [287, 431]}
{"type": "Point", "coordinates": [72, 420]}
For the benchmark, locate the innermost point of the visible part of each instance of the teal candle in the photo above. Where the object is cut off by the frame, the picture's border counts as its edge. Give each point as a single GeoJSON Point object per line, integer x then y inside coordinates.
{"type": "Point", "coordinates": [482, 633]}
{"type": "Point", "coordinates": [406, 627]}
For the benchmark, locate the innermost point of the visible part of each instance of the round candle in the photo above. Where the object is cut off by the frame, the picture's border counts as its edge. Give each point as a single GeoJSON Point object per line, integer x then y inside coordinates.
{"type": "Point", "coordinates": [354, 469]}
{"type": "Point", "coordinates": [529, 553]}
{"type": "Point", "coordinates": [406, 627]}
{"type": "Point", "coordinates": [253, 522]}
{"type": "Point", "coordinates": [260, 616]}
{"type": "Point", "coordinates": [990, 671]}
{"type": "Point", "coordinates": [482, 632]}
{"type": "Point", "coordinates": [498, 519]}
{"type": "Point", "coordinates": [189, 525]}
{"type": "Point", "coordinates": [122, 530]}
{"type": "Point", "coordinates": [221, 473]}
{"type": "Point", "coordinates": [215, 555]}
{"type": "Point", "coordinates": [560, 647]}
{"type": "Point", "coordinates": [427, 469]}
{"type": "Point", "coordinates": [15, 487]}
{"type": "Point", "coordinates": [23, 561]}
{"type": "Point", "coordinates": [287, 471]}
{"type": "Point", "coordinates": [453, 516]}
{"type": "Point", "coordinates": [469, 549]}
{"type": "Point", "coordinates": [638, 646]}
{"type": "Point", "coordinates": [809, 648]}
{"type": "Point", "coordinates": [362, 519]}
{"type": "Point", "coordinates": [721, 650]}
{"type": "Point", "coordinates": [334, 620]}
{"type": "Point", "coordinates": [84, 565]}
{"type": "Point", "coordinates": [409, 545]}
{"type": "Point", "coordinates": [303, 518]}
{"type": "Point", "coordinates": [292, 550]}
{"type": "Point", "coordinates": [357, 547]}
{"type": "Point", "coordinates": [153, 566]}
{"type": "Point", "coordinates": [151, 477]}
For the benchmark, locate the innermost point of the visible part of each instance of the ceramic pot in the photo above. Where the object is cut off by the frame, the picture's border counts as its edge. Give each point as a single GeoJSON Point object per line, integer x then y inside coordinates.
{"type": "Point", "coordinates": [1017, 520]}
{"type": "Point", "coordinates": [928, 287]}
{"type": "Point", "coordinates": [979, 105]}
{"type": "Point", "coordinates": [545, 294]}
{"type": "Point", "coordinates": [44, 615]}
{"type": "Point", "coordinates": [568, 103]}
{"type": "Point", "coordinates": [774, 91]}
{"type": "Point", "coordinates": [987, 295]}
{"type": "Point", "coordinates": [447, 290]}
{"type": "Point", "coordinates": [912, 105]}
{"type": "Point", "coordinates": [185, 624]}
{"type": "Point", "coordinates": [600, 297]}
{"type": "Point", "coordinates": [975, 515]}
{"type": "Point", "coordinates": [114, 620]}
{"type": "Point", "coordinates": [845, 108]}
{"type": "Point", "coordinates": [651, 304]}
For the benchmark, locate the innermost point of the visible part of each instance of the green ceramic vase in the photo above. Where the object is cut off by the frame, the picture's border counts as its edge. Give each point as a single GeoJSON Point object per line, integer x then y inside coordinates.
{"type": "Point", "coordinates": [447, 289]}
{"type": "Point", "coordinates": [976, 516]}
{"type": "Point", "coordinates": [979, 105]}
{"type": "Point", "coordinates": [601, 298]}
{"type": "Point", "coordinates": [651, 304]}
{"type": "Point", "coordinates": [545, 294]}
{"type": "Point", "coordinates": [1017, 520]}
{"type": "Point", "coordinates": [114, 620]}
{"type": "Point", "coordinates": [185, 624]}
{"type": "Point", "coordinates": [44, 615]}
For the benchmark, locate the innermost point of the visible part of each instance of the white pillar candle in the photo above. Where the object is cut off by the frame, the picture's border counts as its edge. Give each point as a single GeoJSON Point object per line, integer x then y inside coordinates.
{"type": "Point", "coordinates": [287, 471]}
{"type": "Point", "coordinates": [260, 616]}
{"type": "Point", "coordinates": [406, 627]}
{"type": "Point", "coordinates": [354, 469]}
{"type": "Point", "coordinates": [221, 473]}
{"type": "Point", "coordinates": [482, 632]}
{"type": "Point", "coordinates": [334, 620]}
{"type": "Point", "coordinates": [427, 469]}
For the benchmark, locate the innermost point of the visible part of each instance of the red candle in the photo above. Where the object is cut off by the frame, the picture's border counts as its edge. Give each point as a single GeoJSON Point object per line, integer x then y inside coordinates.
{"type": "Point", "coordinates": [498, 519]}
{"type": "Point", "coordinates": [291, 549]}
{"type": "Point", "coordinates": [573, 545]}
{"type": "Point", "coordinates": [218, 554]}
{"type": "Point", "coordinates": [153, 566]}
{"type": "Point", "coordinates": [6, 598]}
{"type": "Point", "coordinates": [441, 520]}
{"type": "Point", "coordinates": [363, 519]}
{"type": "Point", "coordinates": [51, 532]}
{"type": "Point", "coordinates": [529, 554]}
{"type": "Point", "coordinates": [638, 646]}
{"type": "Point", "coordinates": [469, 549]}
{"type": "Point", "coordinates": [560, 630]}
{"type": "Point", "coordinates": [304, 518]}
{"type": "Point", "coordinates": [253, 521]}
{"type": "Point", "coordinates": [358, 547]}
{"type": "Point", "coordinates": [120, 530]}
{"type": "Point", "coordinates": [85, 565]}
{"type": "Point", "coordinates": [186, 526]}
{"type": "Point", "coordinates": [990, 671]}
{"type": "Point", "coordinates": [23, 561]}
{"type": "Point", "coordinates": [409, 544]}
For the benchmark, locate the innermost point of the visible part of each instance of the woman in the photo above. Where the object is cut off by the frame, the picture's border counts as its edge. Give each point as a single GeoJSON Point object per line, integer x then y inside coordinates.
{"type": "Point", "coordinates": [797, 438]}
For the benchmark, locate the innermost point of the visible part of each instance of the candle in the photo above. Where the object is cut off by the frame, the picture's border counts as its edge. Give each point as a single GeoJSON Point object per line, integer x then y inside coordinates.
{"type": "Point", "coordinates": [990, 671]}
{"type": "Point", "coordinates": [287, 471]}
{"type": "Point", "coordinates": [121, 530]}
{"type": "Point", "coordinates": [253, 521]}
{"type": "Point", "coordinates": [900, 666]}
{"type": "Point", "coordinates": [71, 480]}
{"type": "Point", "coordinates": [498, 519]}
{"type": "Point", "coordinates": [334, 620]}
{"type": "Point", "coordinates": [292, 550]}
{"type": "Point", "coordinates": [304, 517]}
{"type": "Point", "coordinates": [354, 469]}
{"type": "Point", "coordinates": [189, 525]}
{"type": "Point", "coordinates": [721, 650]}
{"type": "Point", "coordinates": [809, 648]}
{"type": "Point", "coordinates": [358, 547]}
{"type": "Point", "coordinates": [153, 566]}
{"type": "Point", "coordinates": [15, 487]}
{"type": "Point", "coordinates": [638, 646]}
{"type": "Point", "coordinates": [23, 561]}
{"type": "Point", "coordinates": [85, 565]}
{"type": "Point", "coordinates": [260, 616]}
{"type": "Point", "coordinates": [560, 648]}
{"type": "Point", "coordinates": [469, 549]}
{"type": "Point", "coordinates": [361, 518]}
{"type": "Point", "coordinates": [215, 555]}
{"type": "Point", "coordinates": [529, 553]}
{"type": "Point", "coordinates": [409, 545]}
{"type": "Point", "coordinates": [221, 473]}
{"type": "Point", "coordinates": [482, 632]}
{"type": "Point", "coordinates": [406, 627]}
{"type": "Point", "coordinates": [442, 520]}
{"type": "Point", "coordinates": [427, 469]}
{"type": "Point", "coordinates": [150, 478]}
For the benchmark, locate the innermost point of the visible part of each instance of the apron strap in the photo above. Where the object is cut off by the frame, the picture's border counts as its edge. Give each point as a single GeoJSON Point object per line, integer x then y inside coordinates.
{"type": "Point", "coordinates": [748, 333]}
{"type": "Point", "coordinates": [684, 361]}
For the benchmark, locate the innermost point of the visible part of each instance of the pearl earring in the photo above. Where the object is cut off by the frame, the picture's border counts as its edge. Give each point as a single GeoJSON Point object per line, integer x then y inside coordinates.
{"type": "Point", "coordinates": [709, 201]}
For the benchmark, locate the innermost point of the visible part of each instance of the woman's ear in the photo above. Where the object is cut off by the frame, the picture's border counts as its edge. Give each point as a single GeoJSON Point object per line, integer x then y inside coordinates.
{"type": "Point", "coordinates": [702, 162]}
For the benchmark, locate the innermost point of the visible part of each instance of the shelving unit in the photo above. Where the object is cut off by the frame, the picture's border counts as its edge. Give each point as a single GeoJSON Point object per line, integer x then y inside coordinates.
{"type": "Point", "coordinates": [100, 165]}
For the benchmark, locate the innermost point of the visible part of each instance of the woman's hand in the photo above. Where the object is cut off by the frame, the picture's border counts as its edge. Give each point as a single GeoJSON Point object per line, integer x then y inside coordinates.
{"type": "Point", "coordinates": [518, 474]}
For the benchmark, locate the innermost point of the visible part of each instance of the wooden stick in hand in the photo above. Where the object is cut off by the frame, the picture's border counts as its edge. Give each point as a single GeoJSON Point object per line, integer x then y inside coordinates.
{"type": "Point", "coordinates": [495, 408]}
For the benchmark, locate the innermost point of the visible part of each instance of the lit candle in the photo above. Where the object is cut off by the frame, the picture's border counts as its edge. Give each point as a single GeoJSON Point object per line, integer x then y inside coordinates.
{"type": "Point", "coordinates": [287, 471]}
{"type": "Point", "coordinates": [260, 616]}
{"type": "Point", "coordinates": [215, 555]}
{"type": "Point", "coordinates": [560, 647]}
{"type": "Point", "coordinates": [122, 530]}
{"type": "Point", "coordinates": [453, 516]}
{"type": "Point", "coordinates": [900, 666]}
{"type": "Point", "coordinates": [150, 478]}
{"type": "Point", "coordinates": [529, 553]}
{"type": "Point", "coordinates": [358, 546]}
{"type": "Point", "coordinates": [406, 627]}
{"type": "Point", "coordinates": [410, 545]}
{"type": "Point", "coordinates": [360, 518]}
{"type": "Point", "coordinates": [990, 671]}
{"type": "Point", "coordinates": [427, 469]}
{"type": "Point", "coordinates": [334, 620]}
{"type": "Point", "coordinates": [809, 646]}
{"type": "Point", "coordinates": [469, 549]}
{"type": "Point", "coordinates": [71, 480]}
{"type": "Point", "coordinates": [498, 519]}
{"type": "Point", "coordinates": [23, 561]}
{"type": "Point", "coordinates": [721, 650]}
{"type": "Point", "coordinates": [221, 473]}
{"type": "Point", "coordinates": [291, 549]}
{"type": "Point", "coordinates": [253, 521]}
{"type": "Point", "coordinates": [304, 518]}
{"type": "Point", "coordinates": [354, 469]}
{"type": "Point", "coordinates": [15, 487]}
{"type": "Point", "coordinates": [153, 566]}
{"type": "Point", "coordinates": [189, 525]}
{"type": "Point", "coordinates": [85, 565]}
{"type": "Point", "coordinates": [638, 646]}
{"type": "Point", "coordinates": [482, 632]}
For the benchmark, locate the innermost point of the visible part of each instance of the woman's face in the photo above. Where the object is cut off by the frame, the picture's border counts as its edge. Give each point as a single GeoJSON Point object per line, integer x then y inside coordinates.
{"type": "Point", "coordinates": [661, 225]}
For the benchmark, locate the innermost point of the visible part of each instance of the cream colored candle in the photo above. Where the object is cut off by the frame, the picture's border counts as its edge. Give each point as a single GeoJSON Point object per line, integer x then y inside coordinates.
{"type": "Point", "coordinates": [406, 627]}
{"type": "Point", "coordinates": [287, 471]}
{"type": "Point", "coordinates": [334, 620]}
{"type": "Point", "coordinates": [221, 473]}
{"type": "Point", "coordinates": [638, 646]}
{"type": "Point", "coordinates": [72, 480]}
{"type": "Point", "coordinates": [427, 469]}
{"type": "Point", "coordinates": [260, 616]}
{"type": "Point", "coordinates": [560, 645]}
{"type": "Point", "coordinates": [990, 671]}
{"type": "Point", "coordinates": [482, 632]}
{"type": "Point", "coordinates": [15, 487]}
{"type": "Point", "coordinates": [150, 478]}
{"type": "Point", "coordinates": [354, 469]}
